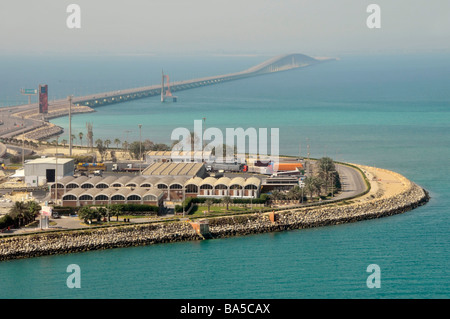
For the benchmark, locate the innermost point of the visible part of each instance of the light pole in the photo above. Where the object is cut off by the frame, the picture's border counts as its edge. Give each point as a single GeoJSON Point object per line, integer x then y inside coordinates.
{"type": "Point", "coordinates": [302, 193]}
{"type": "Point", "coordinates": [56, 171]}
{"type": "Point", "coordinates": [184, 197]}
{"type": "Point", "coordinates": [23, 150]}
{"type": "Point", "coordinates": [70, 124]}
{"type": "Point", "coordinates": [140, 149]}
{"type": "Point", "coordinates": [203, 144]}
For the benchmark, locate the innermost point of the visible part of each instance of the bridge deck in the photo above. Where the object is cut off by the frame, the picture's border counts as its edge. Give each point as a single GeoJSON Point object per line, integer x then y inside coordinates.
{"type": "Point", "coordinates": [31, 119]}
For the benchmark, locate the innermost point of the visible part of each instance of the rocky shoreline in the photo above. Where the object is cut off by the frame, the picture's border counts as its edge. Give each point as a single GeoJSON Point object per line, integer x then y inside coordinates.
{"type": "Point", "coordinates": [321, 216]}
{"type": "Point", "coordinates": [73, 241]}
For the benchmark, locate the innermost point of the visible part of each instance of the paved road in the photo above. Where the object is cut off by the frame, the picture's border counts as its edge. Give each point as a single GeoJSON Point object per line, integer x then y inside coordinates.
{"type": "Point", "coordinates": [352, 181]}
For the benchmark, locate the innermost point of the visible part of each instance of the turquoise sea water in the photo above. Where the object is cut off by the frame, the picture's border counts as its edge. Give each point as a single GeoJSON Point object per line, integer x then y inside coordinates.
{"type": "Point", "coordinates": [387, 111]}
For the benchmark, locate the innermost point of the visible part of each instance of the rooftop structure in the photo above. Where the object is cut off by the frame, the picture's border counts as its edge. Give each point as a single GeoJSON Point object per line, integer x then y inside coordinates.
{"type": "Point", "coordinates": [175, 169]}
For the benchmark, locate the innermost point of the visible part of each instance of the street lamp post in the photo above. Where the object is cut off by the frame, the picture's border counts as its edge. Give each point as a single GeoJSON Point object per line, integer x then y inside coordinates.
{"type": "Point", "coordinates": [70, 124]}
{"type": "Point", "coordinates": [23, 150]}
{"type": "Point", "coordinates": [56, 172]}
{"type": "Point", "coordinates": [203, 144]}
{"type": "Point", "coordinates": [140, 149]}
{"type": "Point", "coordinates": [184, 197]}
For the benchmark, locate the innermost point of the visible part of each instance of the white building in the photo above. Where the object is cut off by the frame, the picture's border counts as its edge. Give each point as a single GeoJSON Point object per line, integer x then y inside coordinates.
{"type": "Point", "coordinates": [40, 171]}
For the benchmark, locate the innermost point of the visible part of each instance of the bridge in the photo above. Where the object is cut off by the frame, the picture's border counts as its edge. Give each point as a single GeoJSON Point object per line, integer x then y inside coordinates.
{"type": "Point", "coordinates": [276, 64]}
{"type": "Point", "coordinates": [30, 118]}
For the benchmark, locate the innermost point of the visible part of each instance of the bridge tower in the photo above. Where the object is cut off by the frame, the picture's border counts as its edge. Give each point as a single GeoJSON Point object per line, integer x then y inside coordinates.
{"type": "Point", "coordinates": [162, 85]}
{"type": "Point", "coordinates": [166, 94]}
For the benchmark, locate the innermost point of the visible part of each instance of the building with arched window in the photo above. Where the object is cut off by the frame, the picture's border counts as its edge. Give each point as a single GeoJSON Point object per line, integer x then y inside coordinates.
{"type": "Point", "coordinates": [153, 190]}
{"type": "Point", "coordinates": [98, 196]}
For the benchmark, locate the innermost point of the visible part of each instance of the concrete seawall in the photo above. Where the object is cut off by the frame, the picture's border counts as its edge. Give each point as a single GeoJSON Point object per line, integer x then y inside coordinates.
{"type": "Point", "coordinates": [380, 203]}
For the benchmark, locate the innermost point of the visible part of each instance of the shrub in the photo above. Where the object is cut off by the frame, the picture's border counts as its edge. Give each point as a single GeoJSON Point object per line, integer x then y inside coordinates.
{"type": "Point", "coordinates": [6, 221]}
{"type": "Point", "coordinates": [178, 208]}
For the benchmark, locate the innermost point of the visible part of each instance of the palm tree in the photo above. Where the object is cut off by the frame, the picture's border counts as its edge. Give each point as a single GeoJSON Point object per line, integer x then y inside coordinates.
{"type": "Point", "coordinates": [64, 142]}
{"type": "Point", "coordinates": [227, 200]}
{"type": "Point", "coordinates": [109, 209]}
{"type": "Point", "coordinates": [318, 184]}
{"type": "Point", "coordinates": [117, 142]}
{"type": "Point", "coordinates": [80, 135]}
{"type": "Point", "coordinates": [101, 149]}
{"type": "Point", "coordinates": [87, 213]}
{"type": "Point", "coordinates": [277, 195]}
{"type": "Point", "coordinates": [326, 165]}
{"type": "Point", "coordinates": [294, 193]}
{"type": "Point", "coordinates": [309, 186]}
{"type": "Point", "coordinates": [98, 142]}
{"type": "Point", "coordinates": [33, 209]}
{"type": "Point", "coordinates": [102, 211]}
{"type": "Point", "coordinates": [90, 135]}
{"type": "Point", "coordinates": [208, 203]}
{"type": "Point", "coordinates": [115, 210]}
{"type": "Point", "coordinates": [17, 212]}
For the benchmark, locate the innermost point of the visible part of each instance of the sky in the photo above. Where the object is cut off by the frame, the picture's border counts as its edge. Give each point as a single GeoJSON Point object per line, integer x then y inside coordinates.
{"type": "Point", "coordinates": [231, 27]}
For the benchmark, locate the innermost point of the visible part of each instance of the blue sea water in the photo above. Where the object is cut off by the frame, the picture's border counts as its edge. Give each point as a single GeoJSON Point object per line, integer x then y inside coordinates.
{"type": "Point", "coordinates": [386, 111]}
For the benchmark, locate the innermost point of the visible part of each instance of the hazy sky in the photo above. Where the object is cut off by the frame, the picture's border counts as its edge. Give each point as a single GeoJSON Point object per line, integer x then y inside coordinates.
{"type": "Point", "coordinates": [316, 27]}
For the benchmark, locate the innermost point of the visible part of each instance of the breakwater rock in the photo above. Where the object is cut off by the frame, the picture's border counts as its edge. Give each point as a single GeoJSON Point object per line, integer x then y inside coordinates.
{"type": "Point", "coordinates": [63, 242]}
{"type": "Point", "coordinates": [51, 243]}
{"type": "Point", "coordinates": [318, 216]}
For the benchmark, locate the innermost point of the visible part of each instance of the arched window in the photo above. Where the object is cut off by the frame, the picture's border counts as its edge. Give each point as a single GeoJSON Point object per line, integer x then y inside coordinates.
{"type": "Point", "coordinates": [134, 197]}
{"type": "Point", "coordinates": [118, 197]}
{"type": "Point", "coordinates": [87, 185]}
{"type": "Point", "coordinates": [101, 197]}
{"type": "Point", "coordinates": [69, 197]}
{"type": "Point", "coordinates": [85, 197]}
{"type": "Point", "coordinates": [191, 189]}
